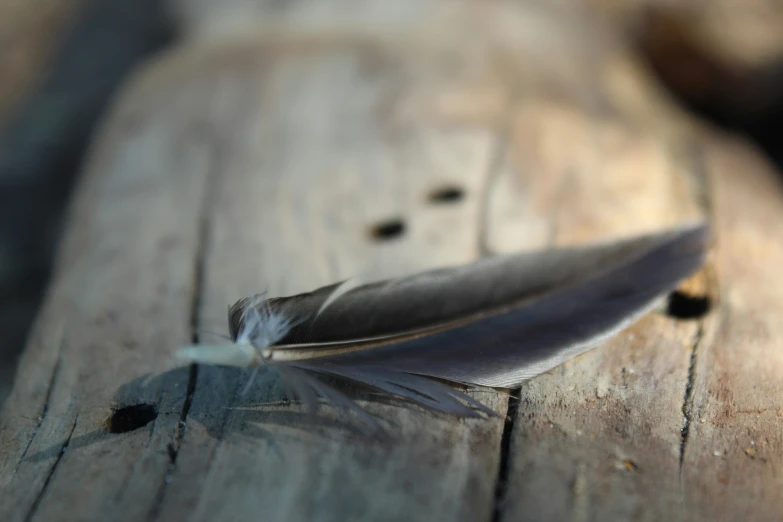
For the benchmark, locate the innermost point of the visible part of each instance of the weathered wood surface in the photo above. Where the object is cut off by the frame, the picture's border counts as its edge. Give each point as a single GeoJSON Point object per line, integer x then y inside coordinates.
{"type": "Point", "coordinates": [267, 161]}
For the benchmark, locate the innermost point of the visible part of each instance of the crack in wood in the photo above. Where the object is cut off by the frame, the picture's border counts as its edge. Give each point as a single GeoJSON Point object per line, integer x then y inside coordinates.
{"type": "Point", "coordinates": [47, 399]}
{"type": "Point", "coordinates": [208, 202]}
{"type": "Point", "coordinates": [182, 425]}
{"type": "Point", "coordinates": [514, 398]}
{"type": "Point", "coordinates": [172, 449]}
{"type": "Point", "coordinates": [687, 402]}
{"type": "Point", "coordinates": [713, 291]}
{"type": "Point", "coordinates": [493, 174]}
{"type": "Point", "coordinates": [37, 502]}
{"type": "Point", "coordinates": [199, 275]}
{"type": "Point", "coordinates": [195, 307]}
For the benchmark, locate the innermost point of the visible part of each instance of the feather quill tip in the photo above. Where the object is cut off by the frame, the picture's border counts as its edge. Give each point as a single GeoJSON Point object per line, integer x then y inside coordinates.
{"type": "Point", "coordinates": [237, 355]}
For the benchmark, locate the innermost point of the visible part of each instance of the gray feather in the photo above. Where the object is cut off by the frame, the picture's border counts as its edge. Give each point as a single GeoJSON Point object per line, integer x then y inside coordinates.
{"type": "Point", "coordinates": [495, 322]}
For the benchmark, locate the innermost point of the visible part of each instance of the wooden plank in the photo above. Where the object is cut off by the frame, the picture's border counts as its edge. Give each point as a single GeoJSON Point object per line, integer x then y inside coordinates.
{"type": "Point", "coordinates": [668, 420]}
{"type": "Point", "coordinates": [61, 63]}
{"type": "Point", "coordinates": [598, 438]}
{"type": "Point", "coordinates": [303, 153]}
{"type": "Point", "coordinates": [734, 452]}
{"type": "Point", "coordinates": [121, 298]}
{"type": "Point", "coordinates": [283, 163]}
{"type": "Point", "coordinates": [311, 173]}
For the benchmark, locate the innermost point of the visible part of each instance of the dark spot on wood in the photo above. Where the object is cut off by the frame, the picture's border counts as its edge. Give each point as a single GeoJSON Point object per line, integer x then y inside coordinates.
{"type": "Point", "coordinates": [684, 306]}
{"type": "Point", "coordinates": [449, 194]}
{"type": "Point", "coordinates": [629, 465]}
{"type": "Point", "coordinates": [130, 418]}
{"type": "Point", "coordinates": [172, 452]}
{"type": "Point", "coordinates": [388, 229]}
{"type": "Point", "coordinates": [501, 486]}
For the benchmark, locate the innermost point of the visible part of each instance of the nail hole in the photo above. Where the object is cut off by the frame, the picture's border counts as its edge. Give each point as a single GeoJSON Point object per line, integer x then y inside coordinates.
{"type": "Point", "coordinates": [130, 418]}
{"type": "Point", "coordinates": [388, 229]}
{"type": "Point", "coordinates": [684, 306]}
{"type": "Point", "coordinates": [448, 194]}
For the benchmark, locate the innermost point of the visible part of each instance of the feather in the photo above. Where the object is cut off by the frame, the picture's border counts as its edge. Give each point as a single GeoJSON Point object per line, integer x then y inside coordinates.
{"type": "Point", "coordinates": [492, 323]}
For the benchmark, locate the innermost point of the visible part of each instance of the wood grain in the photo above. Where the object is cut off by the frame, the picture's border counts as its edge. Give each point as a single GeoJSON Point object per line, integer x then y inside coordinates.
{"type": "Point", "coordinates": [599, 438]}
{"type": "Point", "coordinates": [276, 161]}
{"type": "Point", "coordinates": [735, 446]}
{"type": "Point", "coordinates": [304, 186]}
{"type": "Point", "coordinates": [274, 170]}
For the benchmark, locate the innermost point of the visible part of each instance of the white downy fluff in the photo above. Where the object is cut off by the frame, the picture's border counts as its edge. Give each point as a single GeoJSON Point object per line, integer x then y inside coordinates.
{"type": "Point", "coordinates": [261, 328]}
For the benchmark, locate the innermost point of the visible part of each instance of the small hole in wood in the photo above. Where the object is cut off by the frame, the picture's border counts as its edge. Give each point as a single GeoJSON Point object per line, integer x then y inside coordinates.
{"type": "Point", "coordinates": [130, 418]}
{"type": "Point", "coordinates": [388, 230]}
{"type": "Point", "coordinates": [449, 194]}
{"type": "Point", "coordinates": [684, 306]}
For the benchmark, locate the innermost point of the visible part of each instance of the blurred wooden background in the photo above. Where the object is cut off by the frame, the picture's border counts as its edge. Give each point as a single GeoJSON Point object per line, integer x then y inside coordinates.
{"type": "Point", "coordinates": [285, 145]}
